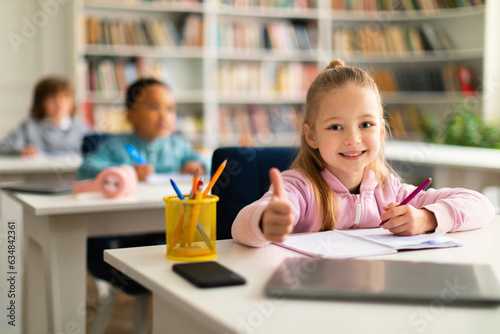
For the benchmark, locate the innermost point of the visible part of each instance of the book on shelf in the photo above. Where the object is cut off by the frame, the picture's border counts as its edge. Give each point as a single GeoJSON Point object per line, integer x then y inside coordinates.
{"type": "Point", "coordinates": [265, 79]}
{"type": "Point", "coordinates": [87, 110]}
{"type": "Point", "coordinates": [111, 75]}
{"type": "Point", "coordinates": [192, 31]}
{"type": "Point", "coordinates": [133, 32]}
{"type": "Point", "coordinates": [110, 119]}
{"type": "Point", "coordinates": [190, 126]}
{"type": "Point", "coordinates": [444, 78]}
{"type": "Point", "coordinates": [277, 35]}
{"type": "Point", "coordinates": [137, 2]}
{"type": "Point", "coordinates": [468, 80]}
{"type": "Point", "coordinates": [406, 123]}
{"type": "Point", "coordinates": [402, 5]}
{"type": "Point", "coordinates": [391, 39]}
{"type": "Point", "coordinates": [362, 242]}
{"type": "Point", "coordinates": [297, 4]}
{"type": "Point", "coordinates": [258, 124]}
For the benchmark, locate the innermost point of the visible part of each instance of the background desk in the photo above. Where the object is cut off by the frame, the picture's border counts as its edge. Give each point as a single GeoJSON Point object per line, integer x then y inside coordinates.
{"type": "Point", "coordinates": [178, 307]}
{"type": "Point", "coordinates": [55, 243]}
{"type": "Point", "coordinates": [57, 167]}
{"type": "Point", "coordinates": [453, 166]}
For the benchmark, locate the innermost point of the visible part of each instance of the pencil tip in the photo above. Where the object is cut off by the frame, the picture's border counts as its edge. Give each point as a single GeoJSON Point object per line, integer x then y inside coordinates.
{"type": "Point", "coordinates": [224, 162]}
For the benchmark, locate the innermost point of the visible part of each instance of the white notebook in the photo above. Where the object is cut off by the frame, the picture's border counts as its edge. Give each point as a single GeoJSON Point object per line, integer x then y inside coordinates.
{"type": "Point", "coordinates": [363, 242]}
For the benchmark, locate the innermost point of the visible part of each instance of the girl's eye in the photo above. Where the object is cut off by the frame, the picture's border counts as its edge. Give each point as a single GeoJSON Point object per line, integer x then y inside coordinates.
{"type": "Point", "coordinates": [154, 107]}
{"type": "Point", "coordinates": [335, 127]}
{"type": "Point", "coordinates": [366, 125]}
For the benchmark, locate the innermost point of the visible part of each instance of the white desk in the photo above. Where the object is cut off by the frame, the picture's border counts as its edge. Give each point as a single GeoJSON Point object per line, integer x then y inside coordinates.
{"type": "Point", "coordinates": [178, 307]}
{"type": "Point", "coordinates": [454, 166]}
{"type": "Point", "coordinates": [55, 235]}
{"type": "Point", "coordinates": [58, 167]}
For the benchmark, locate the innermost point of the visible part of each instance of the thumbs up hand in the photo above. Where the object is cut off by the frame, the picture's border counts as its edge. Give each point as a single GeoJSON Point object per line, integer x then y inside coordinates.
{"type": "Point", "coordinates": [277, 218]}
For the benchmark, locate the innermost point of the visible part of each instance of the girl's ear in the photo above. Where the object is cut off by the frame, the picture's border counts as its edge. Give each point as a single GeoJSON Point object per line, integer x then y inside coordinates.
{"type": "Point", "coordinates": [310, 137]}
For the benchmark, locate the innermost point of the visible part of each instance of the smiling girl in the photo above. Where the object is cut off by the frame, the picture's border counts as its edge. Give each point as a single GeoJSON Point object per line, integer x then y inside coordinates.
{"type": "Point", "coordinates": [340, 178]}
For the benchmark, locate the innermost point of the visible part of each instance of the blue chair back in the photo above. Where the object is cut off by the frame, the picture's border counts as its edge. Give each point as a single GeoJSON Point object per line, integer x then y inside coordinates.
{"type": "Point", "coordinates": [245, 179]}
{"type": "Point", "coordinates": [92, 141]}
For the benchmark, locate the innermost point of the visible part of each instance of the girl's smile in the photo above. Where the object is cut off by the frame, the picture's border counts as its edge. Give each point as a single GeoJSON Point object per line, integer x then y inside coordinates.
{"type": "Point", "coordinates": [347, 132]}
{"type": "Point", "coordinates": [352, 155]}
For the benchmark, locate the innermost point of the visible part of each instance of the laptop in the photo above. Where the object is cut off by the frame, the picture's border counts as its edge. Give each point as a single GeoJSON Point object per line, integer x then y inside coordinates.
{"type": "Point", "coordinates": [385, 280]}
{"type": "Point", "coordinates": [42, 187]}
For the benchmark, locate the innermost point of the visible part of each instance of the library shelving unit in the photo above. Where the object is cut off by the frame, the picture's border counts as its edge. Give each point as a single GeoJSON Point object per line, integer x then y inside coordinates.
{"type": "Point", "coordinates": [240, 69]}
{"type": "Point", "coordinates": [266, 58]}
{"type": "Point", "coordinates": [119, 41]}
{"type": "Point", "coordinates": [425, 61]}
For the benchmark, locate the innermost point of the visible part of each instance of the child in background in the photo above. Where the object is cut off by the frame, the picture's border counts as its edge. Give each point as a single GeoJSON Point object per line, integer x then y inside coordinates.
{"type": "Point", "coordinates": [51, 127]}
{"type": "Point", "coordinates": [340, 178]}
{"type": "Point", "coordinates": [151, 111]}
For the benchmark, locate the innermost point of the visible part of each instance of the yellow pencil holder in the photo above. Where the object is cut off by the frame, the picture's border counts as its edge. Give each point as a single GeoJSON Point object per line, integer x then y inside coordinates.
{"type": "Point", "coordinates": [191, 228]}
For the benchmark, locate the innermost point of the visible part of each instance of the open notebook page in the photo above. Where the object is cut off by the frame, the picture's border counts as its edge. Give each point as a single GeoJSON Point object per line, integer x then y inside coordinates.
{"type": "Point", "coordinates": [331, 244]}
{"type": "Point", "coordinates": [420, 241]}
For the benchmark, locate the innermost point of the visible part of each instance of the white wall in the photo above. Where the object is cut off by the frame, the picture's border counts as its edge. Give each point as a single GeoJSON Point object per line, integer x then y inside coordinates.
{"type": "Point", "coordinates": [35, 41]}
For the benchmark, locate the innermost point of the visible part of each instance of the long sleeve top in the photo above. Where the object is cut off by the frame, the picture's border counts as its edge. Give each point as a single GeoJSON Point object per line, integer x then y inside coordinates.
{"type": "Point", "coordinates": [46, 137]}
{"type": "Point", "coordinates": [166, 155]}
{"type": "Point", "coordinates": [455, 209]}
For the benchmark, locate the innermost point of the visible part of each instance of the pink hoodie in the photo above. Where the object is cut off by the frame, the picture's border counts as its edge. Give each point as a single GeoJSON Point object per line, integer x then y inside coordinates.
{"type": "Point", "coordinates": [455, 209]}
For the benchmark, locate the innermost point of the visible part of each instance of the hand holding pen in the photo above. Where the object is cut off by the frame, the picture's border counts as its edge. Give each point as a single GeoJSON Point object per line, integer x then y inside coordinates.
{"type": "Point", "coordinates": [403, 219]}
{"type": "Point", "coordinates": [143, 169]}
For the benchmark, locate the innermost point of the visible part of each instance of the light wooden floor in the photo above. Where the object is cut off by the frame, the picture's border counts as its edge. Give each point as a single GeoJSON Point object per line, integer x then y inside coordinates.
{"type": "Point", "coordinates": [121, 321]}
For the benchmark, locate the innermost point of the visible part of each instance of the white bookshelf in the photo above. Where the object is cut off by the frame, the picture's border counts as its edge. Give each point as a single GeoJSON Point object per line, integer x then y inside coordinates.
{"type": "Point", "coordinates": [465, 28]}
{"type": "Point", "coordinates": [194, 70]}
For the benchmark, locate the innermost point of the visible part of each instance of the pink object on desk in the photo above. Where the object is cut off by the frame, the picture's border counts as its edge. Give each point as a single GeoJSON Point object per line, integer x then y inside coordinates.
{"type": "Point", "coordinates": [111, 182]}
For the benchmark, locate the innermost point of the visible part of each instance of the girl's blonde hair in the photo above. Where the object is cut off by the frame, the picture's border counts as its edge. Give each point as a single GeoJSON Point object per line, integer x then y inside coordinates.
{"type": "Point", "coordinates": [309, 161]}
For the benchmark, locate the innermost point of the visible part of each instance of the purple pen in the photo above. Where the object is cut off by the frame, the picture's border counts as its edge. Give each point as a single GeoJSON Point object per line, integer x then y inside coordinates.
{"type": "Point", "coordinates": [415, 192]}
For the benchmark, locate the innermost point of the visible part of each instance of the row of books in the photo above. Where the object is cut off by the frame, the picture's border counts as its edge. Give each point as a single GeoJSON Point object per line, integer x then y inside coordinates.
{"type": "Point", "coordinates": [280, 35]}
{"type": "Point", "coordinates": [115, 75]}
{"type": "Point", "coordinates": [406, 123]}
{"type": "Point", "coordinates": [107, 75]}
{"type": "Point", "coordinates": [136, 2]}
{"type": "Point", "coordinates": [265, 78]}
{"type": "Point", "coordinates": [259, 124]}
{"type": "Point", "coordinates": [112, 119]}
{"type": "Point", "coordinates": [360, 5]}
{"type": "Point", "coordinates": [449, 78]}
{"type": "Point", "coordinates": [103, 31]}
{"type": "Point", "coordinates": [402, 5]}
{"type": "Point", "coordinates": [395, 39]}
{"type": "Point", "coordinates": [410, 123]}
{"type": "Point", "coordinates": [270, 3]}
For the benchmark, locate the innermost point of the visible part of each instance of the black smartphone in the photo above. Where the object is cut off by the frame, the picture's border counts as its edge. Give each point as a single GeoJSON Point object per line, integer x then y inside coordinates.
{"type": "Point", "coordinates": [208, 274]}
